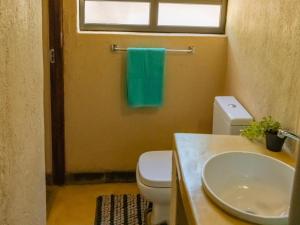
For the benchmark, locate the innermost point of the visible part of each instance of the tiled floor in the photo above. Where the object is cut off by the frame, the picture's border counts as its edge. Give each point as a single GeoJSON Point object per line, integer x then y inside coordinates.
{"type": "Point", "coordinates": [75, 204]}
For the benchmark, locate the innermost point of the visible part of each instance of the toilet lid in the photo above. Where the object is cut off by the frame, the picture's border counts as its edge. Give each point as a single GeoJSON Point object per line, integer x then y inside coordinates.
{"type": "Point", "coordinates": [155, 168]}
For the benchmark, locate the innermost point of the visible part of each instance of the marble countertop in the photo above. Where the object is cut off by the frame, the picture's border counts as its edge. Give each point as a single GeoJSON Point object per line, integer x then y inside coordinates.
{"type": "Point", "coordinates": [192, 150]}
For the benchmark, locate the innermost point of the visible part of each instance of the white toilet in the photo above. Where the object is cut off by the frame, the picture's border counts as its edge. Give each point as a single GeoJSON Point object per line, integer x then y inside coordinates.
{"type": "Point", "coordinates": [154, 169]}
{"type": "Point", "coordinates": [153, 175]}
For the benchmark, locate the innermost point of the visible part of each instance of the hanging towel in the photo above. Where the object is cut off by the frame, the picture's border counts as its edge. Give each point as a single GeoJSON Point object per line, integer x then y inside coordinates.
{"type": "Point", "coordinates": [145, 77]}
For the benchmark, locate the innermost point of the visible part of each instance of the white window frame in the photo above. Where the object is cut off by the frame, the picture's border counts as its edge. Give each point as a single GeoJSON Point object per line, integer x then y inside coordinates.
{"type": "Point", "coordinates": [153, 27]}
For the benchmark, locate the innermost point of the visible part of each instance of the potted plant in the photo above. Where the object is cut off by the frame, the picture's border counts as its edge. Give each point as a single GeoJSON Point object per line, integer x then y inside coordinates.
{"type": "Point", "coordinates": [268, 128]}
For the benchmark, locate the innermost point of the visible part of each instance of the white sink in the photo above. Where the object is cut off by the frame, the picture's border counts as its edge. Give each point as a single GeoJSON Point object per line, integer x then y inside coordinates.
{"type": "Point", "coordinates": [253, 187]}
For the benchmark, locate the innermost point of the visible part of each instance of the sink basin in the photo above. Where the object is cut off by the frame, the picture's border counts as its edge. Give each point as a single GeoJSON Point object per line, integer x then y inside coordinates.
{"type": "Point", "coordinates": [250, 186]}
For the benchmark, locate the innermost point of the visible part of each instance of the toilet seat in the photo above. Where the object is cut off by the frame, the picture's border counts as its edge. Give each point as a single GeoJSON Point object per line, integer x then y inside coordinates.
{"type": "Point", "coordinates": [155, 169]}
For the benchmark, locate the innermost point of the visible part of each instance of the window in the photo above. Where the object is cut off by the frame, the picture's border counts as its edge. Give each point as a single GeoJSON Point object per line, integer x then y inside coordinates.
{"type": "Point", "coordinates": [194, 16]}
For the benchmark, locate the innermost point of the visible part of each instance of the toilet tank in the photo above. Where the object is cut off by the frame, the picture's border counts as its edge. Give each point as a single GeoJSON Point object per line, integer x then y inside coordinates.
{"type": "Point", "coordinates": [229, 116]}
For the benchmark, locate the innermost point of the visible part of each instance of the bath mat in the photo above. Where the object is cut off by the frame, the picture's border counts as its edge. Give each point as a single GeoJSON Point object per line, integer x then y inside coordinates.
{"type": "Point", "coordinates": [126, 209]}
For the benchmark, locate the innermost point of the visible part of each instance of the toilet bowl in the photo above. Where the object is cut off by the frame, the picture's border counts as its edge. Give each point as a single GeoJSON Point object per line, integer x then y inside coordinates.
{"type": "Point", "coordinates": [154, 174]}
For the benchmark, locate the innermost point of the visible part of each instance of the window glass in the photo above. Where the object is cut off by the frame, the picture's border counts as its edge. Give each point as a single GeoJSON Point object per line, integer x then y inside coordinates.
{"type": "Point", "coordinates": [192, 15]}
{"type": "Point", "coordinates": [116, 12]}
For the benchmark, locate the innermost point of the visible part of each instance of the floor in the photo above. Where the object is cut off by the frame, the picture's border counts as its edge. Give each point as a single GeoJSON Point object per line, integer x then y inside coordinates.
{"type": "Point", "coordinates": [75, 204]}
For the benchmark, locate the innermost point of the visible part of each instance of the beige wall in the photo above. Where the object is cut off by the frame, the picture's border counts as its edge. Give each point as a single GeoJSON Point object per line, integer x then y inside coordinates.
{"type": "Point", "coordinates": [22, 172]}
{"type": "Point", "coordinates": [102, 132]}
{"type": "Point", "coordinates": [263, 58]}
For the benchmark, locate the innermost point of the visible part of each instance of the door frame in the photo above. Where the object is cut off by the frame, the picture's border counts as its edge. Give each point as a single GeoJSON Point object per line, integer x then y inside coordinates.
{"type": "Point", "coordinates": [57, 90]}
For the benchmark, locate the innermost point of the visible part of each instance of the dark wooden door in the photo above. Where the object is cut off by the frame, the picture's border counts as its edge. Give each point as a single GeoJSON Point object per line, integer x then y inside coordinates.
{"type": "Point", "coordinates": [57, 91]}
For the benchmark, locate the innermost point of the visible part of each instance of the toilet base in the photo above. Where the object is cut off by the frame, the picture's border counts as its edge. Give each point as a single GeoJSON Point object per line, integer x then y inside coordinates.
{"type": "Point", "coordinates": [160, 214]}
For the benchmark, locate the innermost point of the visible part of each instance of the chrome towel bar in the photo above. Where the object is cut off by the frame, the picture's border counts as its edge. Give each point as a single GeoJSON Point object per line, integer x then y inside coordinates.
{"type": "Point", "coordinates": [190, 49]}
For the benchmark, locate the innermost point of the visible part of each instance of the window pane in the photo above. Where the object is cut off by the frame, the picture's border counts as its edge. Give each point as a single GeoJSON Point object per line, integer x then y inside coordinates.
{"type": "Point", "coordinates": [116, 12]}
{"type": "Point", "coordinates": [192, 15]}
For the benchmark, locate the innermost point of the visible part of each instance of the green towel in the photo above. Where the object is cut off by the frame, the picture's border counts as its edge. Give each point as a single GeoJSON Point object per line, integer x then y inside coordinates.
{"type": "Point", "coordinates": [145, 77]}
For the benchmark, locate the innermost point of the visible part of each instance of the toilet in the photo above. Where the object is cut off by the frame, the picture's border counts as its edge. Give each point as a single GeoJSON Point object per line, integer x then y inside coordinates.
{"type": "Point", "coordinates": [154, 168]}
{"type": "Point", "coordinates": [153, 175]}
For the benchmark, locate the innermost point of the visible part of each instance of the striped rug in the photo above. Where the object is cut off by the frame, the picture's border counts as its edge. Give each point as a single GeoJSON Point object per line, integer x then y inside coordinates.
{"type": "Point", "coordinates": [121, 210]}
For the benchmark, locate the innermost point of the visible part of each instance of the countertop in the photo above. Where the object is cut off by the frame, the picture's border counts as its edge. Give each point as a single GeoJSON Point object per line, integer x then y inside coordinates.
{"type": "Point", "coordinates": [192, 150]}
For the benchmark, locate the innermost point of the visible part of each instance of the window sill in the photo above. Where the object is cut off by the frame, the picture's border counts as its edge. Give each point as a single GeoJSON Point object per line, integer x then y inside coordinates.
{"type": "Point", "coordinates": [150, 34]}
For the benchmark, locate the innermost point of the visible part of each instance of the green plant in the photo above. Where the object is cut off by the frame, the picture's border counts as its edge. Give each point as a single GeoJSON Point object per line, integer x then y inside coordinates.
{"type": "Point", "coordinates": [258, 129]}
{"type": "Point", "coordinates": [270, 125]}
